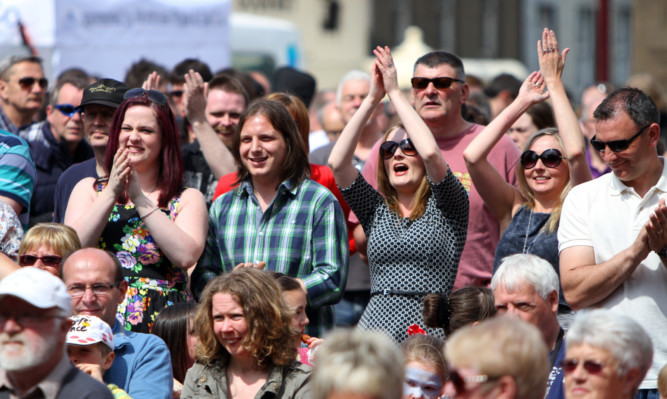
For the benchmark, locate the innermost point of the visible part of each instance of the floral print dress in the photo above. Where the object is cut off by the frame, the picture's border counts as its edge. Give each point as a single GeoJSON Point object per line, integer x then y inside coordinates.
{"type": "Point", "coordinates": [154, 282]}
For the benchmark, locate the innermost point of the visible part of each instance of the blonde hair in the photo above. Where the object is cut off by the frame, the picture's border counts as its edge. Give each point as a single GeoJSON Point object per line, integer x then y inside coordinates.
{"type": "Point", "coordinates": [61, 239]}
{"type": "Point", "coordinates": [419, 199]}
{"type": "Point", "coordinates": [503, 347]}
{"type": "Point", "coordinates": [428, 350]}
{"type": "Point", "coordinates": [552, 224]}
{"type": "Point", "coordinates": [662, 381]}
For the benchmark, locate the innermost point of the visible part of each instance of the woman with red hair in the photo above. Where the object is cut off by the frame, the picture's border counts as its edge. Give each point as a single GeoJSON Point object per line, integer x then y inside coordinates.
{"type": "Point", "coordinates": [141, 211]}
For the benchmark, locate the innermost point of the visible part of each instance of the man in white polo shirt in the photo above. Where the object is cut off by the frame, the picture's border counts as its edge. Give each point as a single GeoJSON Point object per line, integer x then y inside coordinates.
{"type": "Point", "coordinates": [613, 230]}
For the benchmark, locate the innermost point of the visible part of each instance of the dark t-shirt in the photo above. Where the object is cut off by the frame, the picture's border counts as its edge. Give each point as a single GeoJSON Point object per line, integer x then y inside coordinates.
{"type": "Point", "coordinates": [69, 178]}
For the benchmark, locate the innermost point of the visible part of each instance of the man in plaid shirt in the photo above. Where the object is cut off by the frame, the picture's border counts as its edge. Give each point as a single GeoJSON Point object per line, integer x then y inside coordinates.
{"type": "Point", "coordinates": [278, 218]}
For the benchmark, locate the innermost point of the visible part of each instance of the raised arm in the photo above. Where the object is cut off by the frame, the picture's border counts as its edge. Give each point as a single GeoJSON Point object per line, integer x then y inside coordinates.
{"type": "Point", "coordinates": [340, 159]}
{"type": "Point", "coordinates": [88, 211]}
{"type": "Point", "coordinates": [552, 63]}
{"type": "Point", "coordinates": [500, 196]}
{"type": "Point", "coordinates": [218, 157]}
{"type": "Point", "coordinates": [182, 240]}
{"type": "Point", "coordinates": [418, 131]}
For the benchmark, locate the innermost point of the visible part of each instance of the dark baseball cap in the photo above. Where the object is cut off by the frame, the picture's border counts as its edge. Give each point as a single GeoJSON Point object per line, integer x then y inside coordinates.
{"type": "Point", "coordinates": [107, 92]}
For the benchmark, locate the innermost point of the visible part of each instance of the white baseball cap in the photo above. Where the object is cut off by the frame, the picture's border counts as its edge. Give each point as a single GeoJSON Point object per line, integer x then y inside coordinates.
{"type": "Point", "coordinates": [38, 287]}
{"type": "Point", "coordinates": [89, 330]}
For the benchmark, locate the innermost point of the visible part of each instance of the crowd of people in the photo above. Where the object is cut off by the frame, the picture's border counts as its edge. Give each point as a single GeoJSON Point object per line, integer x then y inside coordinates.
{"type": "Point", "coordinates": [196, 234]}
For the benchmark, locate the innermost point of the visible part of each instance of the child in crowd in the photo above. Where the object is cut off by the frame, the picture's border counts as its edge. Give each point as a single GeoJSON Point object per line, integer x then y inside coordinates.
{"type": "Point", "coordinates": [90, 347]}
{"type": "Point", "coordinates": [425, 367]}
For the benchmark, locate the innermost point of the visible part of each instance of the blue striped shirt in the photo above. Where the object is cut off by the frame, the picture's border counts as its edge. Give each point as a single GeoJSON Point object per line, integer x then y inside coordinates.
{"type": "Point", "coordinates": [17, 172]}
{"type": "Point", "coordinates": [302, 234]}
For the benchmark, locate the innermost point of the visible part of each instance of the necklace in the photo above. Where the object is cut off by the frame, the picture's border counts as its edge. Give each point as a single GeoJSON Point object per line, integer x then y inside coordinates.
{"type": "Point", "coordinates": [527, 248]}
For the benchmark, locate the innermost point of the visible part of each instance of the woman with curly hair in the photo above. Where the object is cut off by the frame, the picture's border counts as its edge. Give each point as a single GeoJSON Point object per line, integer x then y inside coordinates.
{"type": "Point", "coordinates": [246, 341]}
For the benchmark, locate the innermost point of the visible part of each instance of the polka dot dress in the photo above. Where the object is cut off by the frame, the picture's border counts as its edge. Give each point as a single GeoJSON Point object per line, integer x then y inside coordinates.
{"type": "Point", "coordinates": [403, 255]}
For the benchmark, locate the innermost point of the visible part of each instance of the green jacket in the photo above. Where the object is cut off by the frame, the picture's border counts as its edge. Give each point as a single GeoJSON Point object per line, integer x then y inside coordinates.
{"type": "Point", "coordinates": [289, 382]}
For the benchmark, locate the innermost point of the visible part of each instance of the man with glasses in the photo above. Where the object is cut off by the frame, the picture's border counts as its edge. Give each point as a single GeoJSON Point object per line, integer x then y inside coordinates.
{"type": "Point", "coordinates": [98, 105]}
{"type": "Point", "coordinates": [613, 230]}
{"type": "Point", "coordinates": [22, 91]}
{"type": "Point", "coordinates": [438, 93]}
{"type": "Point", "coordinates": [525, 287]}
{"type": "Point", "coordinates": [34, 311]}
{"type": "Point", "coordinates": [56, 144]}
{"type": "Point", "coordinates": [142, 366]}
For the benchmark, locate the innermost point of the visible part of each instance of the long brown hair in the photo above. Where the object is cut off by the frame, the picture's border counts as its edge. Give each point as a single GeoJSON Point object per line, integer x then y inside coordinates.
{"type": "Point", "coordinates": [421, 196]}
{"type": "Point", "coordinates": [270, 334]}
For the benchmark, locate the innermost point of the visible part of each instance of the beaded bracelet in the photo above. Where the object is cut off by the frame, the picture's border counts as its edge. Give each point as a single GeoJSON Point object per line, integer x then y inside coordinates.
{"type": "Point", "coordinates": [150, 213]}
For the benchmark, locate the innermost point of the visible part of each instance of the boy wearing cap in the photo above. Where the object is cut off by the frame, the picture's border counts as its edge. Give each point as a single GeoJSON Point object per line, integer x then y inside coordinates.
{"type": "Point", "coordinates": [90, 347]}
{"type": "Point", "coordinates": [34, 306]}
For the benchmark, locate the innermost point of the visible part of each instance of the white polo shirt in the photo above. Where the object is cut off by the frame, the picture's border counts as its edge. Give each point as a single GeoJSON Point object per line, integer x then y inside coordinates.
{"type": "Point", "coordinates": [607, 215]}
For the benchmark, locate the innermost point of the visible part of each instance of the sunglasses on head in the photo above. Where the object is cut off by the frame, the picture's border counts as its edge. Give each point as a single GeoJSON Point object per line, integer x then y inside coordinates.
{"type": "Point", "coordinates": [551, 158]}
{"type": "Point", "coordinates": [48, 260]}
{"type": "Point", "coordinates": [388, 148]}
{"type": "Point", "coordinates": [28, 83]}
{"type": "Point", "coordinates": [616, 145]}
{"type": "Point", "coordinates": [461, 383]}
{"type": "Point", "coordinates": [591, 366]}
{"type": "Point", "coordinates": [67, 109]}
{"type": "Point", "coordinates": [157, 97]}
{"type": "Point", "coordinates": [441, 83]}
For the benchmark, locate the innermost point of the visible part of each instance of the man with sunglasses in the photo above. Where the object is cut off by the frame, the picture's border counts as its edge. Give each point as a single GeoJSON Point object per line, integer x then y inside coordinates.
{"type": "Point", "coordinates": [438, 93]}
{"type": "Point", "coordinates": [613, 230]}
{"type": "Point", "coordinates": [98, 105]}
{"type": "Point", "coordinates": [22, 91]}
{"type": "Point", "coordinates": [56, 144]}
{"type": "Point", "coordinates": [94, 280]}
{"type": "Point", "coordinates": [34, 311]}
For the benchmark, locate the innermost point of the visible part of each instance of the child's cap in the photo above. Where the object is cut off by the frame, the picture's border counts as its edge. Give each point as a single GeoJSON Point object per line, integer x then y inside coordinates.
{"type": "Point", "coordinates": [88, 330]}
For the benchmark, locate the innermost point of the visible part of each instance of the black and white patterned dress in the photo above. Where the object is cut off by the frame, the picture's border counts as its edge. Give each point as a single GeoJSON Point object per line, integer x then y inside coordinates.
{"type": "Point", "coordinates": [409, 256]}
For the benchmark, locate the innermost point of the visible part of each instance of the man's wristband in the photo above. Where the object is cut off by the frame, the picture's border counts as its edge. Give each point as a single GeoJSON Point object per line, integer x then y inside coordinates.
{"type": "Point", "coordinates": [663, 252]}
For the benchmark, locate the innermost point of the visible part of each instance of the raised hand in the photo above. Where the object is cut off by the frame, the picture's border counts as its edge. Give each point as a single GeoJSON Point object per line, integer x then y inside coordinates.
{"type": "Point", "coordinates": [152, 82]}
{"type": "Point", "coordinates": [552, 61]}
{"type": "Point", "coordinates": [119, 172]}
{"type": "Point", "coordinates": [533, 89]}
{"type": "Point", "coordinates": [195, 91]}
{"type": "Point", "coordinates": [385, 63]}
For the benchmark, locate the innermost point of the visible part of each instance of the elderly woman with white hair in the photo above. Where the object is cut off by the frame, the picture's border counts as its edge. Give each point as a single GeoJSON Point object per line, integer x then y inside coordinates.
{"type": "Point", "coordinates": [608, 355]}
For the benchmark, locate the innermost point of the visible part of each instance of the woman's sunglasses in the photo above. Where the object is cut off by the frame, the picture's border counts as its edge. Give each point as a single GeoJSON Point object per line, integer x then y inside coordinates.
{"type": "Point", "coordinates": [157, 97]}
{"type": "Point", "coordinates": [67, 109]}
{"type": "Point", "coordinates": [28, 83]}
{"type": "Point", "coordinates": [441, 83]}
{"type": "Point", "coordinates": [591, 366]}
{"type": "Point", "coordinates": [616, 145]}
{"type": "Point", "coordinates": [551, 158]}
{"type": "Point", "coordinates": [388, 148]}
{"type": "Point", "coordinates": [49, 260]}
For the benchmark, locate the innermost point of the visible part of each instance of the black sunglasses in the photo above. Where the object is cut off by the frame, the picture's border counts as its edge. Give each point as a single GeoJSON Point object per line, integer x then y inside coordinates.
{"type": "Point", "coordinates": [49, 260]}
{"type": "Point", "coordinates": [176, 93]}
{"type": "Point", "coordinates": [388, 148]}
{"type": "Point", "coordinates": [616, 145]}
{"type": "Point", "coordinates": [28, 83]}
{"type": "Point", "coordinates": [439, 83]}
{"type": "Point", "coordinates": [155, 96]}
{"type": "Point", "coordinates": [67, 109]}
{"type": "Point", "coordinates": [551, 158]}
{"type": "Point", "coordinates": [591, 366]}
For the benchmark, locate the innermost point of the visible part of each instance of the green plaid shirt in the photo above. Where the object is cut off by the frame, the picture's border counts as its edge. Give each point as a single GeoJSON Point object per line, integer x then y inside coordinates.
{"type": "Point", "coordinates": [302, 234]}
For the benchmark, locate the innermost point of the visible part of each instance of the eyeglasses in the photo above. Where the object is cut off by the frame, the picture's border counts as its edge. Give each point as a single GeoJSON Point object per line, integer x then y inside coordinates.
{"type": "Point", "coordinates": [29, 319]}
{"type": "Point", "coordinates": [99, 289]}
{"type": "Point", "coordinates": [441, 83]}
{"type": "Point", "coordinates": [616, 145]}
{"type": "Point", "coordinates": [155, 96]}
{"type": "Point", "coordinates": [388, 148]}
{"type": "Point", "coordinates": [48, 260]}
{"type": "Point", "coordinates": [591, 366]}
{"type": "Point", "coordinates": [68, 109]}
{"type": "Point", "coordinates": [28, 83]}
{"type": "Point", "coordinates": [461, 383]}
{"type": "Point", "coordinates": [551, 158]}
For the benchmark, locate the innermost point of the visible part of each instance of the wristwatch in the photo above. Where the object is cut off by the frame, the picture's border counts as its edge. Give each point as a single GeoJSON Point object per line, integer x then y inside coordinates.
{"type": "Point", "coordinates": [663, 252]}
